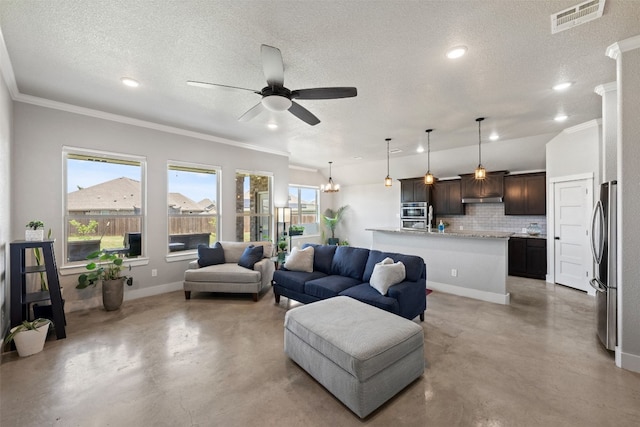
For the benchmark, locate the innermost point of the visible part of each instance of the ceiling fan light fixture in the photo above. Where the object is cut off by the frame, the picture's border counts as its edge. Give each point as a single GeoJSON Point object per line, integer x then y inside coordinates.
{"type": "Point", "coordinates": [276, 103]}
{"type": "Point", "coordinates": [480, 172]}
{"type": "Point", "coordinates": [330, 187]}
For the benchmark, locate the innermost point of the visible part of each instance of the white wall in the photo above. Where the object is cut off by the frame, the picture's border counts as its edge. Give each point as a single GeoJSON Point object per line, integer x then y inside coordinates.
{"type": "Point", "coordinates": [37, 182]}
{"type": "Point", "coordinates": [575, 151]}
{"type": "Point", "coordinates": [6, 125]}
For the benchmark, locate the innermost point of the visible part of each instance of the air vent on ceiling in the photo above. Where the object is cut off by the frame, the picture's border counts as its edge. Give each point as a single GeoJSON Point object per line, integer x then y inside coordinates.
{"type": "Point", "coordinates": [576, 15]}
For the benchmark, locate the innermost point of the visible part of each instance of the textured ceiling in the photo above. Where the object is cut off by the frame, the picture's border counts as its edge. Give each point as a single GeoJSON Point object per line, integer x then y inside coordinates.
{"type": "Point", "coordinates": [393, 51]}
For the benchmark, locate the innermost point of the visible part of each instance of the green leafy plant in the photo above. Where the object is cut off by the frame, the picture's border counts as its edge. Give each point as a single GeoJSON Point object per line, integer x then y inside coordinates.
{"type": "Point", "coordinates": [26, 326]}
{"type": "Point", "coordinates": [38, 256]}
{"type": "Point", "coordinates": [103, 266]}
{"type": "Point", "coordinates": [296, 230]}
{"type": "Point", "coordinates": [282, 244]}
{"type": "Point", "coordinates": [34, 225]}
{"type": "Point", "coordinates": [84, 229]}
{"type": "Point", "coordinates": [332, 218]}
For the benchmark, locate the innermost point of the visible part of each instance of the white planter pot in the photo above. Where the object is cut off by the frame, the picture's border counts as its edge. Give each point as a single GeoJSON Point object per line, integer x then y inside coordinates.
{"type": "Point", "coordinates": [31, 342]}
{"type": "Point", "coordinates": [33, 235]}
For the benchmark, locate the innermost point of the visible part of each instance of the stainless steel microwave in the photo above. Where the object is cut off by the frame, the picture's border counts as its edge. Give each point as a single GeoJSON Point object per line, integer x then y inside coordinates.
{"type": "Point", "coordinates": [414, 224]}
{"type": "Point", "coordinates": [413, 210]}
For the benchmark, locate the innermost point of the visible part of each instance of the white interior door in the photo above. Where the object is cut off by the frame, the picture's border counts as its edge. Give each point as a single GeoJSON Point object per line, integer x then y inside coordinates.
{"type": "Point", "coordinates": [572, 211]}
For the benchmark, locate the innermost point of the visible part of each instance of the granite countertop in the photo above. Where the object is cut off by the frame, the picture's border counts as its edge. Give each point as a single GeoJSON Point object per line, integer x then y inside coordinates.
{"type": "Point", "coordinates": [459, 234]}
{"type": "Point", "coordinates": [529, 236]}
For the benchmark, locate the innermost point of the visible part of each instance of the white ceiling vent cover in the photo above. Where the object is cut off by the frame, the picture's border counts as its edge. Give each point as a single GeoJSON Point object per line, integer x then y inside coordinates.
{"type": "Point", "coordinates": [576, 15]}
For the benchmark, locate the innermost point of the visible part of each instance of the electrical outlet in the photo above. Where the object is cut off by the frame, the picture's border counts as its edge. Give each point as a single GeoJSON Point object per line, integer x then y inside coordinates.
{"type": "Point", "coordinates": [454, 272]}
{"type": "Point", "coordinates": [154, 273]}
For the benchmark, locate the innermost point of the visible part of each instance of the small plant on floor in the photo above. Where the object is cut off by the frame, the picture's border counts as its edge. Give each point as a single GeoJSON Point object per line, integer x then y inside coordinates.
{"type": "Point", "coordinates": [26, 326]}
{"type": "Point", "coordinates": [103, 266]}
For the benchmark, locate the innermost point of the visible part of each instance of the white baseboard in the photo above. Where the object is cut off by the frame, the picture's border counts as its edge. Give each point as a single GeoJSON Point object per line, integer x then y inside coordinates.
{"type": "Point", "coordinates": [96, 301]}
{"type": "Point", "coordinates": [470, 293]}
{"type": "Point", "coordinates": [630, 362]}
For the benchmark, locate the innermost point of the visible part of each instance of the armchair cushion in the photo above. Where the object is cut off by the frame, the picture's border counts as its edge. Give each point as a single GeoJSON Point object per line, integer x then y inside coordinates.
{"type": "Point", "coordinates": [210, 255]}
{"type": "Point", "coordinates": [250, 256]}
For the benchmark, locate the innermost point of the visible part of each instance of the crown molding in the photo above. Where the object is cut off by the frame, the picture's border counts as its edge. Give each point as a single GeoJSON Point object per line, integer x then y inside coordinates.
{"type": "Point", "coordinates": [302, 168]}
{"type": "Point", "coordinates": [607, 87]}
{"type": "Point", "coordinates": [615, 50]}
{"type": "Point", "coordinates": [583, 126]}
{"type": "Point", "coordinates": [7, 69]}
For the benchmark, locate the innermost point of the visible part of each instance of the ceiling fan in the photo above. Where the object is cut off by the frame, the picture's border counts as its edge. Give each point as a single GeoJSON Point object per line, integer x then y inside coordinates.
{"type": "Point", "coordinates": [276, 97]}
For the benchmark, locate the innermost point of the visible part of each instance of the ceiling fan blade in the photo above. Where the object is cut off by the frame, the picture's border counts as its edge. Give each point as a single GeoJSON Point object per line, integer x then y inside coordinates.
{"type": "Point", "coordinates": [272, 65]}
{"type": "Point", "coordinates": [325, 93]}
{"type": "Point", "coordinates": [214, 85]}
{"type": "Point", "coordinates": [252, 112]}
{"type": "Point", "coordinates": [303, 114]}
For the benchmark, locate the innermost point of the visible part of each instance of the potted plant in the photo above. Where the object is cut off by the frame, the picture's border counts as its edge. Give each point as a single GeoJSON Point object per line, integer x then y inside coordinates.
{"type": "Point", "coordinates": [106, 267]}
{"type": "Point", "coordinates": [331, 219]}
{"type": "Point", "coordinates": [34, 231]}
{"type": "Point", "coordinates": [296, 230]}
{"type": "Point", "coordinates": [29, 337]}
{"type": "Point", "coordinates": [282, 249]}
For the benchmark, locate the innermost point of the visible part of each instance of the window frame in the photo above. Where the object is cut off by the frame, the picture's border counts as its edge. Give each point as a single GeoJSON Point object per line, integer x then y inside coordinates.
{"type": "Point", "coordinates": [299, 213]}
{"type": "Point", "coordinates": [204, 168]}
{"type": "Point", "coordinates": [72, 267]}
{"type": "Point", "coordinates": [270, 215]}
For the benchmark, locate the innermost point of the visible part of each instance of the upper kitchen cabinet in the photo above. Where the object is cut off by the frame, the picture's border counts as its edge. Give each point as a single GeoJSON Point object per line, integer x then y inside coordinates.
{"type": "Point", "coordinates": [447, 197]}
{"type": "Point", "coordinates": [490, 189]}
{"type": "Point", "coordinates": [525, 194]}
{"type": "Point", "coordinates": [414, 190]}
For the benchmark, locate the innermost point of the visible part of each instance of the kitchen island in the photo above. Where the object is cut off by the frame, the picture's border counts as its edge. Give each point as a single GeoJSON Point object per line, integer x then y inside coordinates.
{"type": "Point", "coordinates": [467, 263]}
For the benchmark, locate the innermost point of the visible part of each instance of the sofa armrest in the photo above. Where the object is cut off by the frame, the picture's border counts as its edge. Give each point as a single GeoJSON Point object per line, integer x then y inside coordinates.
{"type": "Point", "coordinates": [410, 294]}
{"type": "Point", "coordinates": [266, 267]}
{"type": "Point", "coordinates": [194, 264]}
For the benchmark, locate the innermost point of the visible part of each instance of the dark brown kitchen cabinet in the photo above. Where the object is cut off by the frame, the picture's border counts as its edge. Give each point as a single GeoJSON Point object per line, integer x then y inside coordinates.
{"type": "Point", "coordinates": [490, 187]}
{"type": "Point", "coordinates": [414, 190]}
{"type": "Point", "coordinates": [528, 257]}
{"type": "Point", "coordinates": [447, 197]}
{"type": "Point", "coordinates": [525, 194]}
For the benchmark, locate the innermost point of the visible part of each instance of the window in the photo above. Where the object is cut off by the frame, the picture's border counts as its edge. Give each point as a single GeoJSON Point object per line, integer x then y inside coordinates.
{"type": "Point", "coordinates": [304, 205]}
{"type": "Point", "coordinates": [253, 207]}
{"type": "Point", "coordinates": [192, 202]}
{"type": "Point", "coordinates": [104, 203]}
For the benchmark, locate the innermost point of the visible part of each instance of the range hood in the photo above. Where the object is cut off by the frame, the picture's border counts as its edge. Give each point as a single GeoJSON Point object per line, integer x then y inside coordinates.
{"type": "Point", "coordinates": [488, 190]}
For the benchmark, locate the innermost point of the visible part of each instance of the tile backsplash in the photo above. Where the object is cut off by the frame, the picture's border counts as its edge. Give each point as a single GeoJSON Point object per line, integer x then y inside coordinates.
{"type": "Point", "coordinates": [491, 217]}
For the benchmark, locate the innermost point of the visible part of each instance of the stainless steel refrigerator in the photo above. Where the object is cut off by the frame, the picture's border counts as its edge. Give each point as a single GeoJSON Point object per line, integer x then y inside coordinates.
{"type": "Point", "coordinates": [603, 247]}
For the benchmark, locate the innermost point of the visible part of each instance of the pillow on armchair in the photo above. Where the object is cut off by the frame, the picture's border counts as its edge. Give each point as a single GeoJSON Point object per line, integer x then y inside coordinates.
{"type": "Point", "coordinates": [250, 256]}
{"type": "Point", "coordinates": [210, 255]}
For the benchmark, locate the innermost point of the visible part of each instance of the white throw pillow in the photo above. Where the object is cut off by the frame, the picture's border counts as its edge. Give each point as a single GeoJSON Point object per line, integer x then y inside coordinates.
{"type": "Point", "coordinates": [300, 260]}
{"type": "Point", "coordinates": [386, 274]}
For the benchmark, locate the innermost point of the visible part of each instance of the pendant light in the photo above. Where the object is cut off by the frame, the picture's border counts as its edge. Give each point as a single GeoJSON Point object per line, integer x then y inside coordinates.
{"type": "Point", "coordinates": [330, 187]}
{"type": "Point", "coordinates": [428, 177]}
{"type": "Point", "coordinates": [388, 181]}
{"type": "Point", "coordinates": [480, 172]}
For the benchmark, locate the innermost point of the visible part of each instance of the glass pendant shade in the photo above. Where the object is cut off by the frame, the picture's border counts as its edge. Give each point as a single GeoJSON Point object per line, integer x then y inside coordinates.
{"type": "Point", "coordinates": [330, 187]}
{"type": "Point", "coordinates": [428, 178]}
{"type": "Point", "coordinates": [480, 172]}
{"type": "Point", "coordinates": [388, 181]}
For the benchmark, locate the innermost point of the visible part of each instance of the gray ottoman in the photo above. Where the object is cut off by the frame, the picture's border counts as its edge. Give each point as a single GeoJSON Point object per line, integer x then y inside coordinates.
{"type": "Point", "coordinates": [363, 355]}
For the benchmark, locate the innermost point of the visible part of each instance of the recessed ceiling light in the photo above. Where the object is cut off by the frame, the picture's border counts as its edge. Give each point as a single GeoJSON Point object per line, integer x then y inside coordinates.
{"type": "Point", "coordinates": [494, 137]}
{"type": "Point", "coordinates": [128, 81]}
{"type": "Point", "coordinates": [560, 118]}
{"type": "Point", "coordinates": [456, 52]}
{"type": "Point", "coordinates": [420, 150]}
{"type": "Point", "coordinates": [272, 126]}
{"type": "Point", "coordinates": [562, 86]}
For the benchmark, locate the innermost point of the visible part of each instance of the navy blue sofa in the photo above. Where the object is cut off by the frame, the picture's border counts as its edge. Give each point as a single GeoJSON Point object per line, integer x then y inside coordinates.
{"type": "Point", "coordinates": [346, 270]}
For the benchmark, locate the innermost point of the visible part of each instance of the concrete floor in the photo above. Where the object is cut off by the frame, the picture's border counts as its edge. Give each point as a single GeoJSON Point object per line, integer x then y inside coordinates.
{"type": "Point", "coordinates": [218, 361]}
